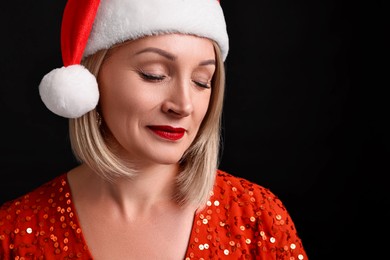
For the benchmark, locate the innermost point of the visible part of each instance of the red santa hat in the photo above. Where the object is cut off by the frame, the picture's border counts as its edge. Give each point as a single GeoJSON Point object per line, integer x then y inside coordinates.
{"type": "Point", "coordinates": [91, 25]}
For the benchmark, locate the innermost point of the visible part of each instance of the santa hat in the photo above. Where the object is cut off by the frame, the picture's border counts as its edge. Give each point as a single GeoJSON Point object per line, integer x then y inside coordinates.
{"type": "Point", "coordinates": [91, 25]}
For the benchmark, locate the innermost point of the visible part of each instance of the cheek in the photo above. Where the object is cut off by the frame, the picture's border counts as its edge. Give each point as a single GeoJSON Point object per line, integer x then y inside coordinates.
{"type": "Point", "coordinates": [127, 107]}
{"type": "Point", "coordinates": [202, 107]}
{"type": "Point", "coordinates": [116, 99]}
{"type": "Point", "coordinates": [120, 93]}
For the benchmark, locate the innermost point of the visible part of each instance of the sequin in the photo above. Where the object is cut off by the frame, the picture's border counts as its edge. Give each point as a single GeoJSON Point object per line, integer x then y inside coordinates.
{"type": "Point", "coordinates": [250, 222]}
{"type": "Point", "coordinates": [241, 220]}
{"type": "Point", "coordinates": [40, 218]}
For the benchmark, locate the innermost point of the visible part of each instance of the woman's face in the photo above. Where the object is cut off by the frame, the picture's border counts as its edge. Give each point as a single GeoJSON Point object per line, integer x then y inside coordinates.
{"type": "Point", "coordinates": [154, 94]}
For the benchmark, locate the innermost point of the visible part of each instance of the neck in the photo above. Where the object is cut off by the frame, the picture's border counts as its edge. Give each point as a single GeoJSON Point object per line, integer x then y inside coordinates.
{"type": "Point", "coordinates": [150, 191]}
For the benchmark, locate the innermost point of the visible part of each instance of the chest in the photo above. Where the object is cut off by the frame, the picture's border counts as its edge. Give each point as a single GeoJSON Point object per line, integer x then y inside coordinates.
{"type": "Point", "coordinates": [159, 237]}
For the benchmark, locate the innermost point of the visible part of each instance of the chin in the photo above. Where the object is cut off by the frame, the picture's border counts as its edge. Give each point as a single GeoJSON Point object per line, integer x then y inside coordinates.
{"type": "Point", "coordinates": [170, 161]}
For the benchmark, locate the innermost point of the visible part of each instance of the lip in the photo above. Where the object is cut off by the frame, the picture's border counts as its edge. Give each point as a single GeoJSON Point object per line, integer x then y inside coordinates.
{"type": "Point", "coordinates": [168, 132]}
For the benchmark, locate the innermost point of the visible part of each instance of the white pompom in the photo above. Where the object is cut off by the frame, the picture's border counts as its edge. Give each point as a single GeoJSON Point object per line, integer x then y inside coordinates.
{"type": "Point", "coordinates": [70, 91]}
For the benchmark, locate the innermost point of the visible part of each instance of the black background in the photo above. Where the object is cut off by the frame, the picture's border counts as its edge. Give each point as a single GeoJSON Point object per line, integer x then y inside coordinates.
{"type": "Point", "coordinates": [305, 112]}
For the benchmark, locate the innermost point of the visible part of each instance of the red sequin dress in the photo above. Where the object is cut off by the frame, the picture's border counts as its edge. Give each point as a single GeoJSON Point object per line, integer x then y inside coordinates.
{"type": "Point", "coordinates": [242, 220]}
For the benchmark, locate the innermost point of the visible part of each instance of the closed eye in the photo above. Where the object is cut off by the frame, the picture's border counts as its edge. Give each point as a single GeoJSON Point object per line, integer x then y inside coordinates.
{"type": "Point", "coordinates": [151, 77]}
{"type": "Point", "coordinates": [201, 84]}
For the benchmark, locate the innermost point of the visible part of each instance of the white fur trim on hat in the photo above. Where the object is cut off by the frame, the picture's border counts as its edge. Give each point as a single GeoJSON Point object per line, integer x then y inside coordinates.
{"type": "Point", "coordinates": [91, 25]}
{"type": "Point", "coordinates": [120, 20]}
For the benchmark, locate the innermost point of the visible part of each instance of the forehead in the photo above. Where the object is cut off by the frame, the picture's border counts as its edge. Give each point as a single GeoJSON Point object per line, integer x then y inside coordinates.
{"type": "Point", "coordinates": [179, 44]}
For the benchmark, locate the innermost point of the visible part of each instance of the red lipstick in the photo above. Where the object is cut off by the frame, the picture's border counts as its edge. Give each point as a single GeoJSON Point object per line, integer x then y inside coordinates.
{"type": "Point", "coordinates": [168, 132]}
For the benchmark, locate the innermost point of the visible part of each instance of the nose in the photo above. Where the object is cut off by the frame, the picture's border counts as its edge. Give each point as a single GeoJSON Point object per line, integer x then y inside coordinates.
{"type": "Point", "coordinates": [179, 101]}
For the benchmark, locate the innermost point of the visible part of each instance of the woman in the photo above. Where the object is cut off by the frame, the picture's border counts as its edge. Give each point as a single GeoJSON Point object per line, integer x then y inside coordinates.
{"type": "Point", "coordinates": [144, 97]}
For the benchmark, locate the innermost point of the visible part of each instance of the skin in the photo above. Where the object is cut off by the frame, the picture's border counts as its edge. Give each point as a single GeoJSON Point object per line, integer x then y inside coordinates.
{"type": "Point", "coordinates": [145, 84]}
{"type": "Point", "coordinates": [153, 81]}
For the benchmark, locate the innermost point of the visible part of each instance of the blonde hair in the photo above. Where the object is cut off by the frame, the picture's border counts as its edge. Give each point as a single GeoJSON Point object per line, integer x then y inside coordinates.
{"type": "Point", "coordinates": [198, 164]}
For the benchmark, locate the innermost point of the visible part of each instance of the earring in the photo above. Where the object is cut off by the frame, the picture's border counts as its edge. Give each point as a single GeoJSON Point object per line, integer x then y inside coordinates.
{"type": "Point", "coordinates": [98, 119]}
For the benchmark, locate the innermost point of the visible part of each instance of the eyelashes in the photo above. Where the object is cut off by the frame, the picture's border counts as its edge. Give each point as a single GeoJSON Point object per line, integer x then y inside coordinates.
{"type": "Point", "coordinates": [201, 84]}
{"type": "Point", "coordinates": [151, 77]}
{"type": "Point", "coordinates": [158, 78]}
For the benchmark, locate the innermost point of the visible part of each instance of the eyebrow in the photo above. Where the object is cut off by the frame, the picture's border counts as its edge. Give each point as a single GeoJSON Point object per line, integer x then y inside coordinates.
{"type": "Point", "coordinates": [172, 57]}
{"type": "Point", "coordinates": [207, 62]}
{"type": "Point", "coordinates": [158, 51]}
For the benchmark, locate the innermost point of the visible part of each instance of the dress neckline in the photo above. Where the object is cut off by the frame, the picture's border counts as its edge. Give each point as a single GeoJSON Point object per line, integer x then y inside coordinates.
{"type": "Point", "coordinates": [76, 218]}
